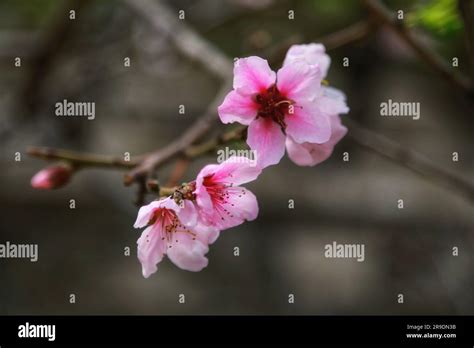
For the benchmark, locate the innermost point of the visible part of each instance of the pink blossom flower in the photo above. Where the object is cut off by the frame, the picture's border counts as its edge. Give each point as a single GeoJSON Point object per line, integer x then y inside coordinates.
{"type": "Point", "coordinates": [221, 201]}
{"type": "Point", "coordinates": [174, 230]}
{"type": "Point", "coordinates": [288, 107]}
{"type": "Point", "coordinates": [331, 101]}
{"type": "Point", "coordinates": [52, 177]}
{"type": "Point", "coordinates": [310, 154]}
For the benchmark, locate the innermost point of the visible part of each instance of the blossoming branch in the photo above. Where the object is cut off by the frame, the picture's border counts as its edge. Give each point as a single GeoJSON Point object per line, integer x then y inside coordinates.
{"type": "Point", "coordinates": [291, 108]}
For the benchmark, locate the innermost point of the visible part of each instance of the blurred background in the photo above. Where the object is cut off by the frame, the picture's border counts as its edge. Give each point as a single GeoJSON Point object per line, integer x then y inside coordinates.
{"type": "Point", "coordinates": [407, 251]}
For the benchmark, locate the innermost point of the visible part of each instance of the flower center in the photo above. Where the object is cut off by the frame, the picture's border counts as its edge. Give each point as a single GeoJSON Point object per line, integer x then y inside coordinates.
{"type": "Point", "coordinates": [170, 225]}
{"type": "Point", "coordinates": [273, 105]}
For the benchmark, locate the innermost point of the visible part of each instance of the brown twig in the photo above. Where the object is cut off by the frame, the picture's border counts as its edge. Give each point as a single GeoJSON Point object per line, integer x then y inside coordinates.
{"type": "Point", "coordinates": [237, 133]}
{"type": "Point", "coordinates": [409, 159]}
{"type": "Point", "coordinates": [49, 47]}
{"type": "Point", "coordinates": [433, 59]}
{"type": "Point", "coordinates": [80, 159]}
{"type": "Point", "coordinates": [196, 48]}
{"type": "Point", "coordinates": [351, 34]}
{"type": "Point", "coordinates": [185, 39]}
{"type": "Point", "coordinates": [194, 133]}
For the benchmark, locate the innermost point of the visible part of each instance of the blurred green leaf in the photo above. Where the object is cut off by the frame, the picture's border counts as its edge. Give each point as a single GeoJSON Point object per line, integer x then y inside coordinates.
{"type": "Point", "coordinates": [27, 14]}
{"type": "Point", "coordinates": [440, 17]}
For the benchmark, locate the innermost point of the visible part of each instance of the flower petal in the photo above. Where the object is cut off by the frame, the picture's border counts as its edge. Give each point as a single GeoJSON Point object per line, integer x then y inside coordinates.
{"type": "Point", "coordinates": [332, 101]}
{"type": "Point", "coordinates": [151, 249]}
{"type": "Point", "coordinates": [299, 153]}
{"type": "Point", "coordinates": [237, 108]}
{"type": "Point", "coordinates": [187, 213]}
{"type": "Point", "coordinates": [299, 81]}
{"type": "Point", "coordinates": [206, 233]}
{"type": "Point", "coordinates": [308, 124]}
{"type": "Point", "coordinates": [236, 170]}
{"type": "Point", "coordinates": [203, 199]}
{"type": "Point", "coordinates": [188, 254]}
{"type": "Point", "coordinates": [242, 205]}
{"type": "Point", "coordinates": [145, 214]}
{"type": "Point", "coordinates": [237, 206]}
{"type": "Point", "coordinates": [266, 138]}
{"type": "Point", "coordinates": [308, 154]}
{"type": "Point", "coordinates": [311, 54]}
{"type": "Point", "coordinates": [252, 75]}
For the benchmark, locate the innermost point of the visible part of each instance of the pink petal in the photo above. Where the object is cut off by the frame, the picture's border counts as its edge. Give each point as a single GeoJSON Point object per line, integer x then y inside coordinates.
{"type": "Point", "coordinates": [308, 124]}
{"type": "Point", "coordinates": [267, 139]}
{"type": "Point", "coordinates": [311, 54]}
{"type": "Point", "coordinates": [237, 108]}
{"type": "Point", "coordinates": [239, 205]}
{"type": "Point", "coordinates": [206, 233]}
{"type": "Point", "coordinates": [252, 75]}
{"type": "Point", "coordinates": [242, 205]}
{"type": "Point", "coordinates": [236, 170]}
{"type": "Point", "coordinates": [308, 154]}
{"type": "Point", "coordinates": [332, 101]}
{"type": "Point", "coordinates": [188, 254]}
{"type": "Point", "coordinates": [145, 214]}
{"type": "Point", "coordinates": [299, 153]}
{"type": "Point", "coordinates": [203, 199]}
{"type": "Point", "coordinates": [150, 249]}
{"type": "Point", "coordinates": [299, 81]}
{"type": "Point", "coordinates": [187, 213]}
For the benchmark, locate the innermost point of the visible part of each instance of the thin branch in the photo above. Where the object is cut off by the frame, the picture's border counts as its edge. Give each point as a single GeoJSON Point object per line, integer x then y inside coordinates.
{"type": "Point", "coordinates": [48, 49]}
{"type": "Point", "coordinates": [80, 159]}
{"type": "Point", "coordinates": [409, 159]}
{"type": "Point", "coordinates": [349, 35]}
{"type": "Point", "coordinates": [190, 136]}
{"type": "Point", "coordinates": [83, 160]}
{"type": "Point", "coordinates": [233, 135]}
{"type": "Point", "coordinates": [433, 59]}
{"type": "Point", "coordinates": [193, 46]}
{"type": "Point", "coordinates": [185, 39]}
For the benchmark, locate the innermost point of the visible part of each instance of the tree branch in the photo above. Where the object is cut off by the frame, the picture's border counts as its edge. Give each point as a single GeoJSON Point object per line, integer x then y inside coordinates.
{"type": "Point", "coordinates": [185, 39]}
{"type": "Point", "coordinates": [81, 159]}
{"type": "Point", "coordinates": [412, 160]}
{"type": "Point", "coordinates": [48, 49]}
{"type": "Point", "coordinates": [433, 59]}
{"type": "Point", "coordinates": [191, 135]}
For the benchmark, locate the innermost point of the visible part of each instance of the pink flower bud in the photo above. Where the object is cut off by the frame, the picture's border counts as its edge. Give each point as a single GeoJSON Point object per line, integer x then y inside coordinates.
{"type": "Point", "coordinates": [52, 177]}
